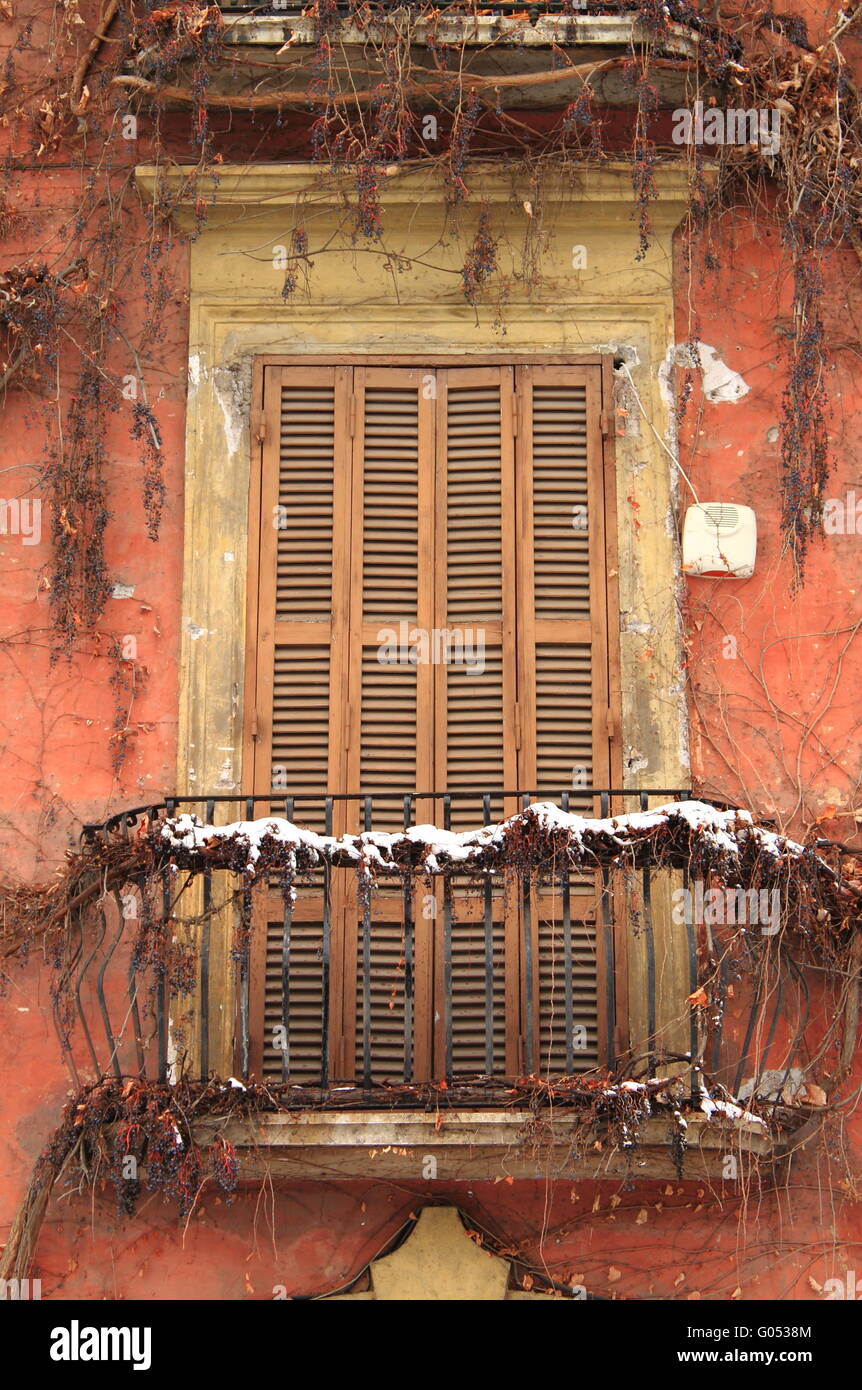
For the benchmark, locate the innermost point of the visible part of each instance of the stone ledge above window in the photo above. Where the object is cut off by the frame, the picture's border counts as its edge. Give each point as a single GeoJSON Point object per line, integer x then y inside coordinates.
{"type": "Point", "coordinates": [493, 47]}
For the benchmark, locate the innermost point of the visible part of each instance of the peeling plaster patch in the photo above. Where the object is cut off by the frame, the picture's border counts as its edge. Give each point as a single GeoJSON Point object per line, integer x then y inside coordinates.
{"type": "Point", "coordinates": [721, 384]}
{"type": "Point", "coordinates": [123, 591]}
{"type": "Point", "coordinates": [772, 435]}
{"type": "Point", "coordinates": [225, 775]}
{"type": "Point", "coordinates": [665, 380]}
{"type": "Point", "coordinates": [197, 373]}
{"type": "Point", "coordinates": [231, 397]}
{"type": "Point", "coordinates": [684, 750]}
{"type": "Point", "coordinates": [627, 415]}
{"type": "Point", "coordinates": [666, 391]}
{"type": "Point", "coordinates": [675, 695]}
{"type": "Point", "coordinates": [627, 351]}
{"type": "Point", "coordinates": [635, 626]}
{"type": "Point", "coordinates": [194, 630]}
{"type": "Point", "coordinates": [635, 760]}
{"type": "Point", "coordinates": [228, 556]}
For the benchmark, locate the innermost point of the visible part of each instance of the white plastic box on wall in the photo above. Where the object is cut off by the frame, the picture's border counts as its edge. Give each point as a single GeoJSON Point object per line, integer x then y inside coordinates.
{"type": "Point", "coordinates": [719, 539]}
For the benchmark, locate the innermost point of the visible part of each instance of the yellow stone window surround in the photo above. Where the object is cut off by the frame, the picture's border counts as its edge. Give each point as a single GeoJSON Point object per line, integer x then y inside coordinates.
{"type": "Point", "coordinates": [594, 301]}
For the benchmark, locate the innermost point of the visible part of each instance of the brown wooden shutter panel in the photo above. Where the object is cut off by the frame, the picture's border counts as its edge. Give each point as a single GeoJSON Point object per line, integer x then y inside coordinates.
{"type": "Point", "coordinates": [390, 701]}
{"type": "Point", "coordinates": [476, 694]}
{"type": "Point", "coordinates": [299, 653]}
{"type": "Point", "coordinates": [391, 582]}
{"type": "Point", "coordinates": [563, 673]}
{"type": "Point", "coordinates": [447, 509]}
{"type": "Point", "coordinates": [475, 585]}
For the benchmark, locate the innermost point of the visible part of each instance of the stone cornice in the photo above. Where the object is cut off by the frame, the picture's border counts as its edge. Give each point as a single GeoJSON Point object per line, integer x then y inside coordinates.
{"type": "Point", "coordinates": [605, 188]}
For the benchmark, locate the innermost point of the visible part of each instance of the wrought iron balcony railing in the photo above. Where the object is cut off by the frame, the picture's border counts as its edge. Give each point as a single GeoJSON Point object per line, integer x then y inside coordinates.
{"type": "Point", "coordinates": [511, 975]}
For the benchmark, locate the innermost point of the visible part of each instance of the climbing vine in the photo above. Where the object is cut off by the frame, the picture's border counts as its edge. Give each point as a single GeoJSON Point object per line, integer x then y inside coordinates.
{"type": "Point", "coordinates": [140, 62]}
{"type": "Point", "coordinates": [142, 1133]}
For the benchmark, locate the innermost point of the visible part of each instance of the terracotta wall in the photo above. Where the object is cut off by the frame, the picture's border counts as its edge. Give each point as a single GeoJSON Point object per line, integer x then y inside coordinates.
{"type": "Point", "coordinates": [775, 726]}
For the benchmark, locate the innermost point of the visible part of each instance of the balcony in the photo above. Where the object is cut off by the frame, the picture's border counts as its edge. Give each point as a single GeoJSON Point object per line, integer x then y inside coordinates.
{"type": "Point", "coordinates": [482, 1005]}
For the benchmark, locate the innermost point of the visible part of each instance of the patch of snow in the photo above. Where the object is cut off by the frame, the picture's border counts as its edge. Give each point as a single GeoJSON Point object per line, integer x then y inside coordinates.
{"type": "Point", "coordinates": [725, 831]}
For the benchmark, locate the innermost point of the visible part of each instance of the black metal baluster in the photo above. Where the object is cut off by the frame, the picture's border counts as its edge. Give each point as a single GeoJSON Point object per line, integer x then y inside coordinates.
{"type": "Point", "coordinates": [162, 995]}
{"type": "Point", "coordinates": [691, 934]}
{"type": "Point", "coordinates": [723, 976]}
{"type": "Point", "coordinates": [608, 940]}
{"type": "Point", "coordinates": [366, 964]}
{"type": "Point", "coordinates": [113, 1041]}
{"type": "Point", "coordinates": [287, 922]}
{"type": "Point", "coordinates": [82, 973]}
{"type": "Point", "coordinates": [244, 979]}
{"type": "Point", "coordinates": [325, 963]}
{"type": "Point", "coordinates": [529, 993]}
{"type": "Point", "coordinates": [489, 956]}
{"type": "Point", "coordinates": [205, 958]}
{"type": "Point", "coordinates": [132, 982]}
{"type": "Point", "coordinates": [447, 955]}
{"type": "Point", "coordinates": [568, 962]}
{"type": "Point", "coordinates": [408, 955]}
{"type": "Point", "coordinates": [649, 944]}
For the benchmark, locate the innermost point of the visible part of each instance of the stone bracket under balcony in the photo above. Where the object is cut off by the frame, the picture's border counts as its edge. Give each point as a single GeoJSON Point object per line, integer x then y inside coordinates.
{"type": "Point", "coordinates": [482, 1145]}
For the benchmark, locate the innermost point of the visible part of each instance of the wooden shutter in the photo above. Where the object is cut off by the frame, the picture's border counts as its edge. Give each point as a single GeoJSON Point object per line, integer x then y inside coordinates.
{"type": "Point", "coordinates": [562, 618]}
{"type": "Point", "coordinates": [298, 630]}
{"type": "Point", "coordinates": [476, 692]}
{"type": "Point", "coordinates": [297, 648]}
{"type": "Point", "coordinates": [470, 503]}
{"type": "Point", "coordinates": [390, 698]}
{"type": "Point", "coordinates": [563, 653]}
{"type": "Point", "coordinates": [390, 732]}
{"type": "Point", "coordinates": [475, 586]}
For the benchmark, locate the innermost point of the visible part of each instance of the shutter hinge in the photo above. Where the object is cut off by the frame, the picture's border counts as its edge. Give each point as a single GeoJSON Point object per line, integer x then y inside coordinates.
{"type": "Point", "coordinates": [516, 414]}
{"type": "Point", "coordinates": [255, 733]}
{"type": "Point", "coordinates": [611, 725]}
{"type": "Point", "coordinates": [352, 417]}
{"type": "Point", "coordinates": [348, 726]}
{"type": "Point", "coordinates": [259, 429]}
{"type": "Point", "coordinates": [605, 425]}
{"type": "Point", "coordinates": [517, 722]}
